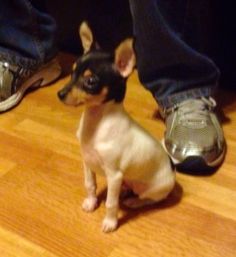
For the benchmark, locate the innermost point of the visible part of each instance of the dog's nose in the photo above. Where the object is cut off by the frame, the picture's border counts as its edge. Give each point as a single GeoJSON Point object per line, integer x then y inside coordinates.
{"type": "Point", "coordinates": [61, 94]}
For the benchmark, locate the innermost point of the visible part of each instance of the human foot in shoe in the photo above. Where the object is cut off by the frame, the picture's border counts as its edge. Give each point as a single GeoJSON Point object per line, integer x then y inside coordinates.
{"type": "Point", "coordinates": [194, 138]}
{"type": "Point", "coordinates": [15, 80]}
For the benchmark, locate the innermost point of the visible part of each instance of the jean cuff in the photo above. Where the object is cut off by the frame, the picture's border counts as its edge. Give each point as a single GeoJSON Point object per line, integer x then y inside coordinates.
{"type": "Point", "coordinates": [18, 60]}
{"type": "Point", "coordinates": [174, 99]}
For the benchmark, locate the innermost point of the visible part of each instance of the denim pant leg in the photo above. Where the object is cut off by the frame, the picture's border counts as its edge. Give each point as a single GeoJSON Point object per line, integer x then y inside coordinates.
{"type": "Point", "coordinates": [171, 69]}
{"type": "Point", "coordinates": [27, 34]}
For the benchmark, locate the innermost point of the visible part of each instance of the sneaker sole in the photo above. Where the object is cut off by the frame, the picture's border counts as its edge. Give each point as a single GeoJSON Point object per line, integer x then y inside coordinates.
{"type": "Point", "coordinates": [196, 162]}
{"type": "Point", "coordinates": [46, 75]}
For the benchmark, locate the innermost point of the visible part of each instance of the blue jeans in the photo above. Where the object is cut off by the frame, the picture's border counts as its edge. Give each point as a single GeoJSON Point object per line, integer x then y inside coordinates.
{"type": "Point", "coordinates": [170, 68]}
{"type": "Point", "coordinates": [27, 34]}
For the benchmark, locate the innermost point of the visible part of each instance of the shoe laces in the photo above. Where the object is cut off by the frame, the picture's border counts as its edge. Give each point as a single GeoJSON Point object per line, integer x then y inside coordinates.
{"type": "Point", "coordinates": [4, 69]}
{"type": "Point", "coordinates": [10, 78]}
{"type": "Point", "coordinates": [195, 110]}
{"type": "Point", "coordinates": [192, 113]}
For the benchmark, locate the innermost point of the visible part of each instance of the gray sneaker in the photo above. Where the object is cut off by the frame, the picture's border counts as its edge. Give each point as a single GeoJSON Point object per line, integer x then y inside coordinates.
{"type": "Point", "coordinates": [194, 137]}
{"type": "Point", "coordinates": [14, 81]}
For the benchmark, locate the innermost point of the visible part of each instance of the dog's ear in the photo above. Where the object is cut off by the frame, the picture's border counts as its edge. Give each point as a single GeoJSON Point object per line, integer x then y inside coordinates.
{"type": "Point", "coordinates": [125, 59]}
{"type": "Point", "coordinates": [86, 36]}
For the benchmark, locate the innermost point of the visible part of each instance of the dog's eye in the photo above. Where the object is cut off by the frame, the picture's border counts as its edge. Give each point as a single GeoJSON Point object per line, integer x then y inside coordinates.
{"type": "Point", "coordinates": [91, 81]}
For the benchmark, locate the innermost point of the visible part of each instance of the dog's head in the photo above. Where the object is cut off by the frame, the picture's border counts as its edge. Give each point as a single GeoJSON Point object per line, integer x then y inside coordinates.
{"type": "Point", "coordinates": [98, 76]}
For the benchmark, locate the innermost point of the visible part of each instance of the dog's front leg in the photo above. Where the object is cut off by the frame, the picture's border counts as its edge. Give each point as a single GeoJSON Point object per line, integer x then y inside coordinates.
{"type": "Point", "coordinates": [90, 203]}
{"type": "Point", "coordinates": [114, 182]}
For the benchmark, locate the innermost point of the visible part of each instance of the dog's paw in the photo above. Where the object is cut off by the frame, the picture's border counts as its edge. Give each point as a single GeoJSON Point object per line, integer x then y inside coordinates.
{"type": "Point", "coordinates": [109, 225]}
{"type": "Point", "coordinates": [90, 204]}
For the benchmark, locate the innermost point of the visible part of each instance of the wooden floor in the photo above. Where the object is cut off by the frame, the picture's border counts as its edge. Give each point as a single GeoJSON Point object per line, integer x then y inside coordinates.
{"type": "Point", "coordinates": [41, 189]}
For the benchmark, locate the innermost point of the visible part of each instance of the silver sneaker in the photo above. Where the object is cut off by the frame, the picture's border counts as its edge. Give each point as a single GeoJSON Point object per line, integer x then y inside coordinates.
{"type": "Point", "coordinates": [193, 134]}
{"type": "Point", "coordinates": [14, 81]}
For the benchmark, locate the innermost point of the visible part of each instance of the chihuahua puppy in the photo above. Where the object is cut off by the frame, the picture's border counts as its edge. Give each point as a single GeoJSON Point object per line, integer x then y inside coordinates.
{"type": "Point", "coordinates": [112, 143]}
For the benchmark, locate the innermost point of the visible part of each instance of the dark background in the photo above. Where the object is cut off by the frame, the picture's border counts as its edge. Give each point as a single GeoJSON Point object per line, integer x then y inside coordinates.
{"type": "Point", "coordinates": [110, 21]}
{"type": "Point", "coordinates": [211, 27]}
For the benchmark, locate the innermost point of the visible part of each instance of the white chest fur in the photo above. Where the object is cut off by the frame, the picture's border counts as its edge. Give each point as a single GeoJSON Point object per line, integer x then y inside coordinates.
{"type": "Point", "coordinates": [100, 133]}
{"type": "Point", "coordinates": [111, 140]}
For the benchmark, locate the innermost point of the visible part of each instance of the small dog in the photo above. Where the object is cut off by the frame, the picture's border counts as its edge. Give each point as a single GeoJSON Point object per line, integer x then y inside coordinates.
{"type": "Point", "coordinates": [111, 142]}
